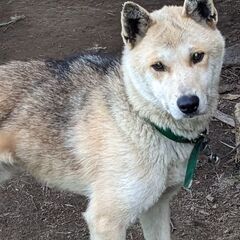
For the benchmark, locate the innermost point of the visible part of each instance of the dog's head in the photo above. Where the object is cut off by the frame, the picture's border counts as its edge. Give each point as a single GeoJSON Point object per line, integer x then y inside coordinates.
{"type": "Point", "coordinates": [173, 56]}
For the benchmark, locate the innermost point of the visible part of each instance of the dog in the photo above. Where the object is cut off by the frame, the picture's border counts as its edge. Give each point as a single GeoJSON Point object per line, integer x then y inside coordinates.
{"type": "Point", "coordinates": [91, 124]}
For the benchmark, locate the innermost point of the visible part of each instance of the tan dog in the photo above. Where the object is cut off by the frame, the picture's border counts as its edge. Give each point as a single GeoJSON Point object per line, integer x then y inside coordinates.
{"type": "Point", "coordinates": [89, 124]}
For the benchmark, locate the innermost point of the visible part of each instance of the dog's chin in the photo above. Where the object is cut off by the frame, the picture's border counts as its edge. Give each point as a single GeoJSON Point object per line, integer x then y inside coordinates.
{"type": "Point", "coordinates": [189, 117]}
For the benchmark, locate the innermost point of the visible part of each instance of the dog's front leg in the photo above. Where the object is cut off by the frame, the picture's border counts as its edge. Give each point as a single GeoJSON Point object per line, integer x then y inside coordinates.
{"type": "Point", "coordinates": [106, 221]}
{"type": "Point", "coordinates": [156, 220]}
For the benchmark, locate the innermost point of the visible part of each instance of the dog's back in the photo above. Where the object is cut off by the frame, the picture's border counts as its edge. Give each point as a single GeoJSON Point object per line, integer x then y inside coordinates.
{"type": "Point", "coordinates": [37, 107]}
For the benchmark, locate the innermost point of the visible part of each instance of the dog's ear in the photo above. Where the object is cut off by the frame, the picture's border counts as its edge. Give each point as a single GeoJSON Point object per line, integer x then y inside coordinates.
{"type": "Point", "coordinates": [201, 11]}
{"type": "Point", "coordinates": [135, 23]}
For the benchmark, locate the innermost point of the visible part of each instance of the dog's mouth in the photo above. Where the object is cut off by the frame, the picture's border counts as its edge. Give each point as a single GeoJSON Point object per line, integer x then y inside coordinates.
{"type": "Point", "coordinates": [194, 115]}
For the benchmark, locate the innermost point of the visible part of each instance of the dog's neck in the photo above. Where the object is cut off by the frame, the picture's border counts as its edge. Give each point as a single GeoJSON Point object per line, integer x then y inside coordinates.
{"type": "Point", "coordinates": [188, 127]}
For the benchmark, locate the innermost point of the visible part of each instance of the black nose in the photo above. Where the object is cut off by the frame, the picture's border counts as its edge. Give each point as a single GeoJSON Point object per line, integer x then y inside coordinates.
{"type": "Point", "coordinates": [188, 104]}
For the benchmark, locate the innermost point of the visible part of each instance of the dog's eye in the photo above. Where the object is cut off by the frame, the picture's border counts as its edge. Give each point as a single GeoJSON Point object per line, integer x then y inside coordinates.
{"type": "Point", "coordinates": [159, 67]}
{"type": "Point", "coordinates": [197, 57]}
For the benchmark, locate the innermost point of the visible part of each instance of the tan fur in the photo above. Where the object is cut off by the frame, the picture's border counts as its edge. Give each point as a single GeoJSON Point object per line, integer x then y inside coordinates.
{"type": "Point", "coordinates": [7, 142]}
{"type": "Point", "coordinates": [83, 125]}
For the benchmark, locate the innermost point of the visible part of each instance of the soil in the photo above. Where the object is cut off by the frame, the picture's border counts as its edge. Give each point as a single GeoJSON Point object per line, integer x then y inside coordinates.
{"type": "Point", "coordinates": [58, 28]}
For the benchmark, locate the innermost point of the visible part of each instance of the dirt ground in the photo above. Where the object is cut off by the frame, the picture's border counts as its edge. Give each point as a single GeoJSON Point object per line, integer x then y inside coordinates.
{"type": "Point", "coordinates": [58, 28]}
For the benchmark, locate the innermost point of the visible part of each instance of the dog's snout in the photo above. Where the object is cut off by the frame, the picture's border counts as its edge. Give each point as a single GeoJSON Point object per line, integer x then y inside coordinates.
{"type": "Point", "coordinates": [188, 104]}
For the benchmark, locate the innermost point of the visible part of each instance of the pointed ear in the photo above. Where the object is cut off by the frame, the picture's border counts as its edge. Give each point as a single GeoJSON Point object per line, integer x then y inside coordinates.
{"type": "Point", "coordinates": [201, 11]}
{"type": "Point", "coordinates": [135, 23]}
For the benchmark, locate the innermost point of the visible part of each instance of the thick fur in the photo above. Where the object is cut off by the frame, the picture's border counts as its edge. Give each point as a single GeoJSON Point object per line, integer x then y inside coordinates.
{"type": "Point", "coordinates": [83, 124]}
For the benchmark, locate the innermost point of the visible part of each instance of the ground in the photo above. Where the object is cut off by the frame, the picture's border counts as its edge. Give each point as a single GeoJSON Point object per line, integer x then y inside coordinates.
{"type": "Point", "coordinates": [54, 29]}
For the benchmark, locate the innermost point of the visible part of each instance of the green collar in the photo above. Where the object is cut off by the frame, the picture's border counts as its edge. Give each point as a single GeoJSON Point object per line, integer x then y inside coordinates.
{"type": "Point", "coordinates": [192, 161]}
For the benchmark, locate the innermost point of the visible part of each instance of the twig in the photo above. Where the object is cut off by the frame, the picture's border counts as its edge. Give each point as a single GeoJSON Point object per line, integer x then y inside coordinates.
{"type": "Point", "coordinates": [232, 151]}
{"type": "Point", "coordinates": [111, 13]}
{"type": "Point", "coordinates": [237, 122]}
{"type": "Point", "coordinates": [226, 144]}
{"type": "Point", "coordinates": [173, 228]}
{"type": "Point", "coordinates": [225, 118]}
{"type": "Point", "coordinates": [96, 48]}
{"type": "Point", "coordinates": [14, 19]}
{"type": "Point", "coordinates": [230, 97]}
{"type": "Point", "coordinates": [11, 1]}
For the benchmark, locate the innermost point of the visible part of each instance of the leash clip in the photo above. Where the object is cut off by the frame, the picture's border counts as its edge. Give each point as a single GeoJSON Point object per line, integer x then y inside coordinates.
{"type": "Point", "coordinates": [206, 148]}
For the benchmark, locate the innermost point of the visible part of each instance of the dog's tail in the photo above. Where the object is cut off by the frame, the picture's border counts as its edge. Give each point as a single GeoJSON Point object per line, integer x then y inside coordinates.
{"type": "Point", "coordinates": [7, 162]}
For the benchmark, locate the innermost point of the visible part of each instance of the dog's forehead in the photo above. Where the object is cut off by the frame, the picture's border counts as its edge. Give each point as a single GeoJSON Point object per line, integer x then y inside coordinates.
{"type": "Point", "coordinates": [168, 13]}
{"type": "Point", "coordinates": [171, 29]}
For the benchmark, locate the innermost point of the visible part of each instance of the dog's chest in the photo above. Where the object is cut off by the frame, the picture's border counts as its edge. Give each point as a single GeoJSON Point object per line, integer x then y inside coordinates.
{"type": "Point", "coordinates": [164, 166]}
{"type": "Point", "coordinates": [172, 158]}
{"type": "Point", "coordinates": [178, 158]}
